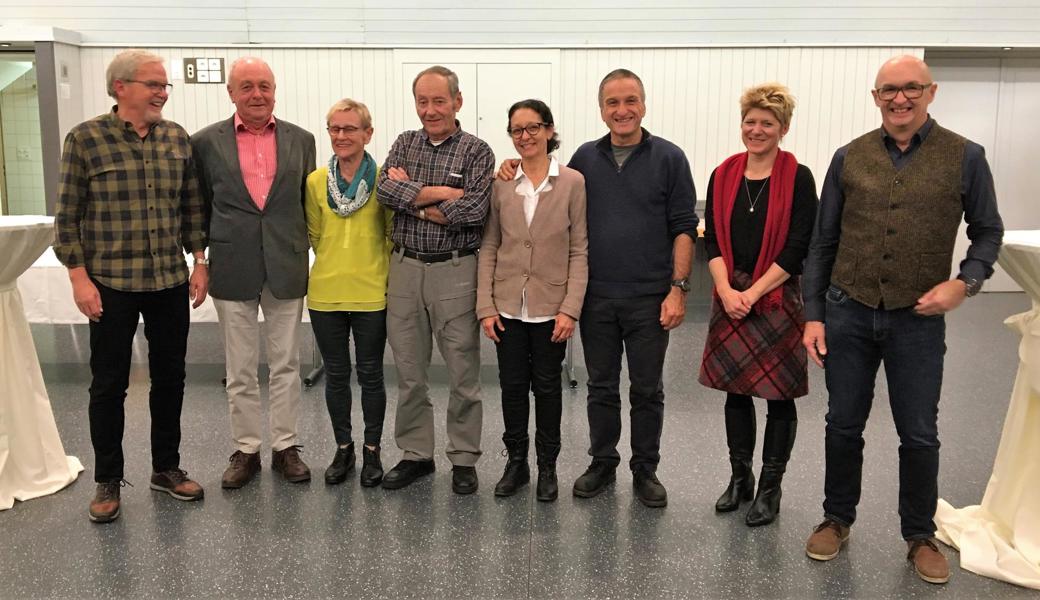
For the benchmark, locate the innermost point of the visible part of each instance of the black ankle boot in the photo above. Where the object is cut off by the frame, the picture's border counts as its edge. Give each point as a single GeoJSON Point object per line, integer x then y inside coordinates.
{"type": "Point", "coordinates": [342, 464]}
{"type": "Point", "coordinates": [776, 451]}
{"type": "Point", "coordinates": [517, 472]}
{"type": "Point", "coordinates": [740, 437]}
{"type": "Point", "coordinates": [548, 486]}
{"type": "Point", "coordinates": [372, 469]}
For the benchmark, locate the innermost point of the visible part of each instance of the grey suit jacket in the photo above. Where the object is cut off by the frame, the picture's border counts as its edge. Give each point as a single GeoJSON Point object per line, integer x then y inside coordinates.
{"type": "Point", "coordinates": [249, 247]}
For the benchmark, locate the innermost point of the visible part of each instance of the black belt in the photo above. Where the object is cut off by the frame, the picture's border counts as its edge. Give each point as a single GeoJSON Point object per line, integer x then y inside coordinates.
{"type": "Point", "coordinates": [434, 257]}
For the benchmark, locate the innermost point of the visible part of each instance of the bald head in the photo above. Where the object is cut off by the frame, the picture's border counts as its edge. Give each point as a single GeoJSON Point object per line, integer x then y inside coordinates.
{"type": "Point", "coordinates": [902, 91]}
{"type": "Point", "coordinates": [903, 67]}
{"type": "Point", "coordinates": [250, 66]}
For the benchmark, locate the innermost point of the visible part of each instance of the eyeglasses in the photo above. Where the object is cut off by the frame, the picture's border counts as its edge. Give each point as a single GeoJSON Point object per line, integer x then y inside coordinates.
{"type": "Point", "coordinates": [532, 130]}
{"type": "Point", "coordinates": [154, 86]}
{"type": "Point", "coordinates": [349, 130]}
{"type": "Point", "coordinates": [911, 91]}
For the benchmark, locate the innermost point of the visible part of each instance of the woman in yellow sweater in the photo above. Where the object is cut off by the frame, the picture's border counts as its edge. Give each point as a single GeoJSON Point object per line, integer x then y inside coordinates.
{"type": "Point", "coordinates": [350, 231]}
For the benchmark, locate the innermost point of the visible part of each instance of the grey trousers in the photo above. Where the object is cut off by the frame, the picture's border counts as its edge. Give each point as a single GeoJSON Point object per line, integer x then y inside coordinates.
{"type": "Point", "coordinates": [426, 302]}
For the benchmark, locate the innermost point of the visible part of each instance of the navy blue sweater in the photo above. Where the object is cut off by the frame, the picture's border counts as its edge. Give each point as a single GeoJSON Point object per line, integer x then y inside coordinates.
{"type": "Point", "coordinates": [634, 214]}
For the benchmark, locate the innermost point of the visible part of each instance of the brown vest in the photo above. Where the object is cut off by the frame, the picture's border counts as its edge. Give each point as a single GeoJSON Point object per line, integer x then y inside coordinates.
{"type": "Point", "coordinates": [898, 227]}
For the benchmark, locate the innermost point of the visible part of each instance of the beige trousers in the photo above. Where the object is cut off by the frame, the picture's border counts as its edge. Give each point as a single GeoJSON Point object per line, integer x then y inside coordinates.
{"type": "Point", "coordinates": [437, 301]}
{"type": "Point", "coordinates": [238, 321]}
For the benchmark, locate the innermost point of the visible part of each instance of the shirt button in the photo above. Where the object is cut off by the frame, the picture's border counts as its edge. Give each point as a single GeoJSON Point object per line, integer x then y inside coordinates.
{"type": "Point", "coordinates": [525, 275]}
{"type": "Point", "coordinates": [151, 208]}
{"type": "Point", "coordinates": [527, 244]}
{"type": "Point", "coordinates": [898, 182]}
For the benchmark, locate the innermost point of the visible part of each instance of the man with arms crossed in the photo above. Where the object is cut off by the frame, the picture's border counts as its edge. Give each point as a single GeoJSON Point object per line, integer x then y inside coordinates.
{"type": "Point", "coordinates": [128, 203]}
{"type": "Point", "coordinates": [437, 180]}
{"type": "Point", "coordinates": [253, 172]}
{"type": "Point", "coordinates": [876, 286]}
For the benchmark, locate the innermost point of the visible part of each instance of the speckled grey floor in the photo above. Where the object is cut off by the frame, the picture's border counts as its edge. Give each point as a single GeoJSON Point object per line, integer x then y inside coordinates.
{"type": "Point", "coordinates": [274, 539]}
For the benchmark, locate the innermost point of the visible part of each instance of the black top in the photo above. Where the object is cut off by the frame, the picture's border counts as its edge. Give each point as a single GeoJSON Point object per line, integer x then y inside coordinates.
{"type": "Point", "coordinates": [747, 227]}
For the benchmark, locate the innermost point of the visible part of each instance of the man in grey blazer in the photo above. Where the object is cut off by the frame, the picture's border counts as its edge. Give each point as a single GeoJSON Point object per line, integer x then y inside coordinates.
{"type": "Point", "coordinates": [252, 171]}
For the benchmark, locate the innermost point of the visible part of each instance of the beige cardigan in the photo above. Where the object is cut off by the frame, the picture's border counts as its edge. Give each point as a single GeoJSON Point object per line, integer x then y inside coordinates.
{"type": "Point", "coordinates": [549, 258]}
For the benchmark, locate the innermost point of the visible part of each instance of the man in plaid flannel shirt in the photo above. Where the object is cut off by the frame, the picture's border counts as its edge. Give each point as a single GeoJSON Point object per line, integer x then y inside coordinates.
{"type": "Point", "coordinates": [128, 203]}
{"type": "Point", "coordinates": [437, 180]}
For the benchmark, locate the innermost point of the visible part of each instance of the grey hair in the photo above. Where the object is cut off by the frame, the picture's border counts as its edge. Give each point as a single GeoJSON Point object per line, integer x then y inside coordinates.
{"type": "Point", "coordinates": [621, 74]}
{"type": "Point", "coordinates": [445, 72]}
{"type": "Point", "coordinates": [125, 65]}
{"type": "Point", "coordinates": [243, 60]}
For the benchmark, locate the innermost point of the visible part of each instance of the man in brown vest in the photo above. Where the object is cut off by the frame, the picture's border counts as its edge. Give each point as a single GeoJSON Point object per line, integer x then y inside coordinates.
{"type": "Point", "coordinates": [877, 284]}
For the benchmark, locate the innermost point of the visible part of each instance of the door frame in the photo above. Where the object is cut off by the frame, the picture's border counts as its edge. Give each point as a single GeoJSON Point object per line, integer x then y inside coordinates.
{"type": "Point", "coordinates": [475, 56]}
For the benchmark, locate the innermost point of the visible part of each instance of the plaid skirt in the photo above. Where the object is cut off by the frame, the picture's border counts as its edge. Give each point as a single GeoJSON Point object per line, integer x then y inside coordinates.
{"type": "Point", "coordinates": [760, 355]}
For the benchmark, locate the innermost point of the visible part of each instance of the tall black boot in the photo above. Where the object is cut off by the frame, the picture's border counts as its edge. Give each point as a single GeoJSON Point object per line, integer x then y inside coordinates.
{"type": "Point", "coordinates": [740, 437]}
{"type": "Point", "coordinates": [776, 451]}
{"type": "Point", "coordinates": [517, 472]}
{"type": "Point", "coordinates": [548, 486]}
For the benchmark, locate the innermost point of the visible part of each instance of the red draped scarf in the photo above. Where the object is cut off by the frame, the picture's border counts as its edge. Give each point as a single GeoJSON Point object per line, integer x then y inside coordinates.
{"type": "Point", "coordinates": [729, 181]}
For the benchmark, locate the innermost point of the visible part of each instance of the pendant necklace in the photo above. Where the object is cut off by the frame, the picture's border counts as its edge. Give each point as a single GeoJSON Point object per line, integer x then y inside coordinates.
{"type": "Point", "coordinates": [751, 202]}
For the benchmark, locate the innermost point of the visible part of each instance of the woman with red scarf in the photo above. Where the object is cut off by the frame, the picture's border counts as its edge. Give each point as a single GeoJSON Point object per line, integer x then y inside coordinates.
{"type": "Point", "coordinates": [758, 223]}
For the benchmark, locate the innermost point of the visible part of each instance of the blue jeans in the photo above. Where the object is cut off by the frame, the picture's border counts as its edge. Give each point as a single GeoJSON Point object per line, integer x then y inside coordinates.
{"type": "Point", "coordinates": [859, 339]}
{"type": "Point", "coordinates": [332, 331]}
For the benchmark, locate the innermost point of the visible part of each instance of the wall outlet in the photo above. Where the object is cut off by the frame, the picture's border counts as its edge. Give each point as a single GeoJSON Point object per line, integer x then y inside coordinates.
{"type": "Point", "coordinates": [23, 154]}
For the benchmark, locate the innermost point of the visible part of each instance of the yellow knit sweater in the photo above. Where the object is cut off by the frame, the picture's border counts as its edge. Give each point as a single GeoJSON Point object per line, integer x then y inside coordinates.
{"type": "Point", "coordinates": [352, 254]}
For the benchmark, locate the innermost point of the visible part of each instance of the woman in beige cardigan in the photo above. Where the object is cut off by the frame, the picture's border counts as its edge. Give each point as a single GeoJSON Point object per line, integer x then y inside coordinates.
{"type": "Point", "coordinates": [531, 275]}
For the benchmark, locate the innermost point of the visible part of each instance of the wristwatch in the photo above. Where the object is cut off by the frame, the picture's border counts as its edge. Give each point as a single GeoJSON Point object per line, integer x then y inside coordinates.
{"type": "Point", "coordinates": [971, 285]}
{"type": "Point", "coordinates": [683, 284]}
{"type": "Point", "coordinates": [202, 261]}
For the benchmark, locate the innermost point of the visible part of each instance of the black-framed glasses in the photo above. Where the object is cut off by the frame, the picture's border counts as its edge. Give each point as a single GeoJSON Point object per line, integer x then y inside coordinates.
{"type": "Point", "coordinates": [153, 86]}
{"type": "Point", "coordinates": [911, 91]}
{"type": "Point", "coordinates": [532, 130]}
{"type": "Point", "coordinates": [349, 130]}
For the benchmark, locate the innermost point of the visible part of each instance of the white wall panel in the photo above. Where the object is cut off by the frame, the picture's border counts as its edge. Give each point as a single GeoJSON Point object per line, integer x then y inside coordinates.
{"type": "Point", "coordinates": [539, 22]}
{"type": "Point", "coordinates": [693, 97]}
{"type": "Point", "coordinates": [308, 82]}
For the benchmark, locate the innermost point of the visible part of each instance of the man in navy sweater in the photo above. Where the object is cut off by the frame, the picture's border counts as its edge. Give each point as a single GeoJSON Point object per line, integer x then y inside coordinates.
{"type": "Point", "coordinates": [642, 228]}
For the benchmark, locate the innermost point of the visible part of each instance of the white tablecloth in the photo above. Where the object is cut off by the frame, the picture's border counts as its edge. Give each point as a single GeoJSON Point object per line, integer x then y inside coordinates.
{"type": "Point", "coordinates": [1001, 537]}
{"type": "Point", "coordinates": [32, 458]}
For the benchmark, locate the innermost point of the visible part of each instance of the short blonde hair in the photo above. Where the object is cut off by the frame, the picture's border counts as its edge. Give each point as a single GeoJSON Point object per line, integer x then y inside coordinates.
{"type": "Point", "coordinates": [347, 104]}
{"type": "Point", "coordinates": [125, 65]}
{"type": "Point", "coordinates": [772, 96]}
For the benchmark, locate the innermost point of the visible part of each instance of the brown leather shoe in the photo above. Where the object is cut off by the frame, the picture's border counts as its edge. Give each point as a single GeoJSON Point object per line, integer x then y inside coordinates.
{"type": "Point", "coordinates": [104, 508]}
{"type": "Point", "coordinates": [177, 484]}
{"type": "Point", "coordinates": [244, 465]}
{"type": "Point", "coordinates": [929, 562]}
{"type": "Point", "coordinates": [290, 465]}
{"type": "Point", "coordinates": [826, 540]}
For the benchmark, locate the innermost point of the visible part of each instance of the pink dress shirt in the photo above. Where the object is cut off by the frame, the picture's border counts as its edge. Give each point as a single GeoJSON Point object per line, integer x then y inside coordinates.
{"type": "Point", "coordinates": [258, 159]}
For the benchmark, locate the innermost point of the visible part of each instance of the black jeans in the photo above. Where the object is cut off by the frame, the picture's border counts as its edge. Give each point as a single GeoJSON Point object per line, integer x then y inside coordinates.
{"type": "Point", "coordinates": [528, 361]}
{"type": "Point", "coordinates": [610, 327]}
{"type": "Point", "coordinates": [165, 315]}
{"type": "Point", "coordinates": [332, 331]}
{"type": "Point", "coordinates": [859, 339]}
